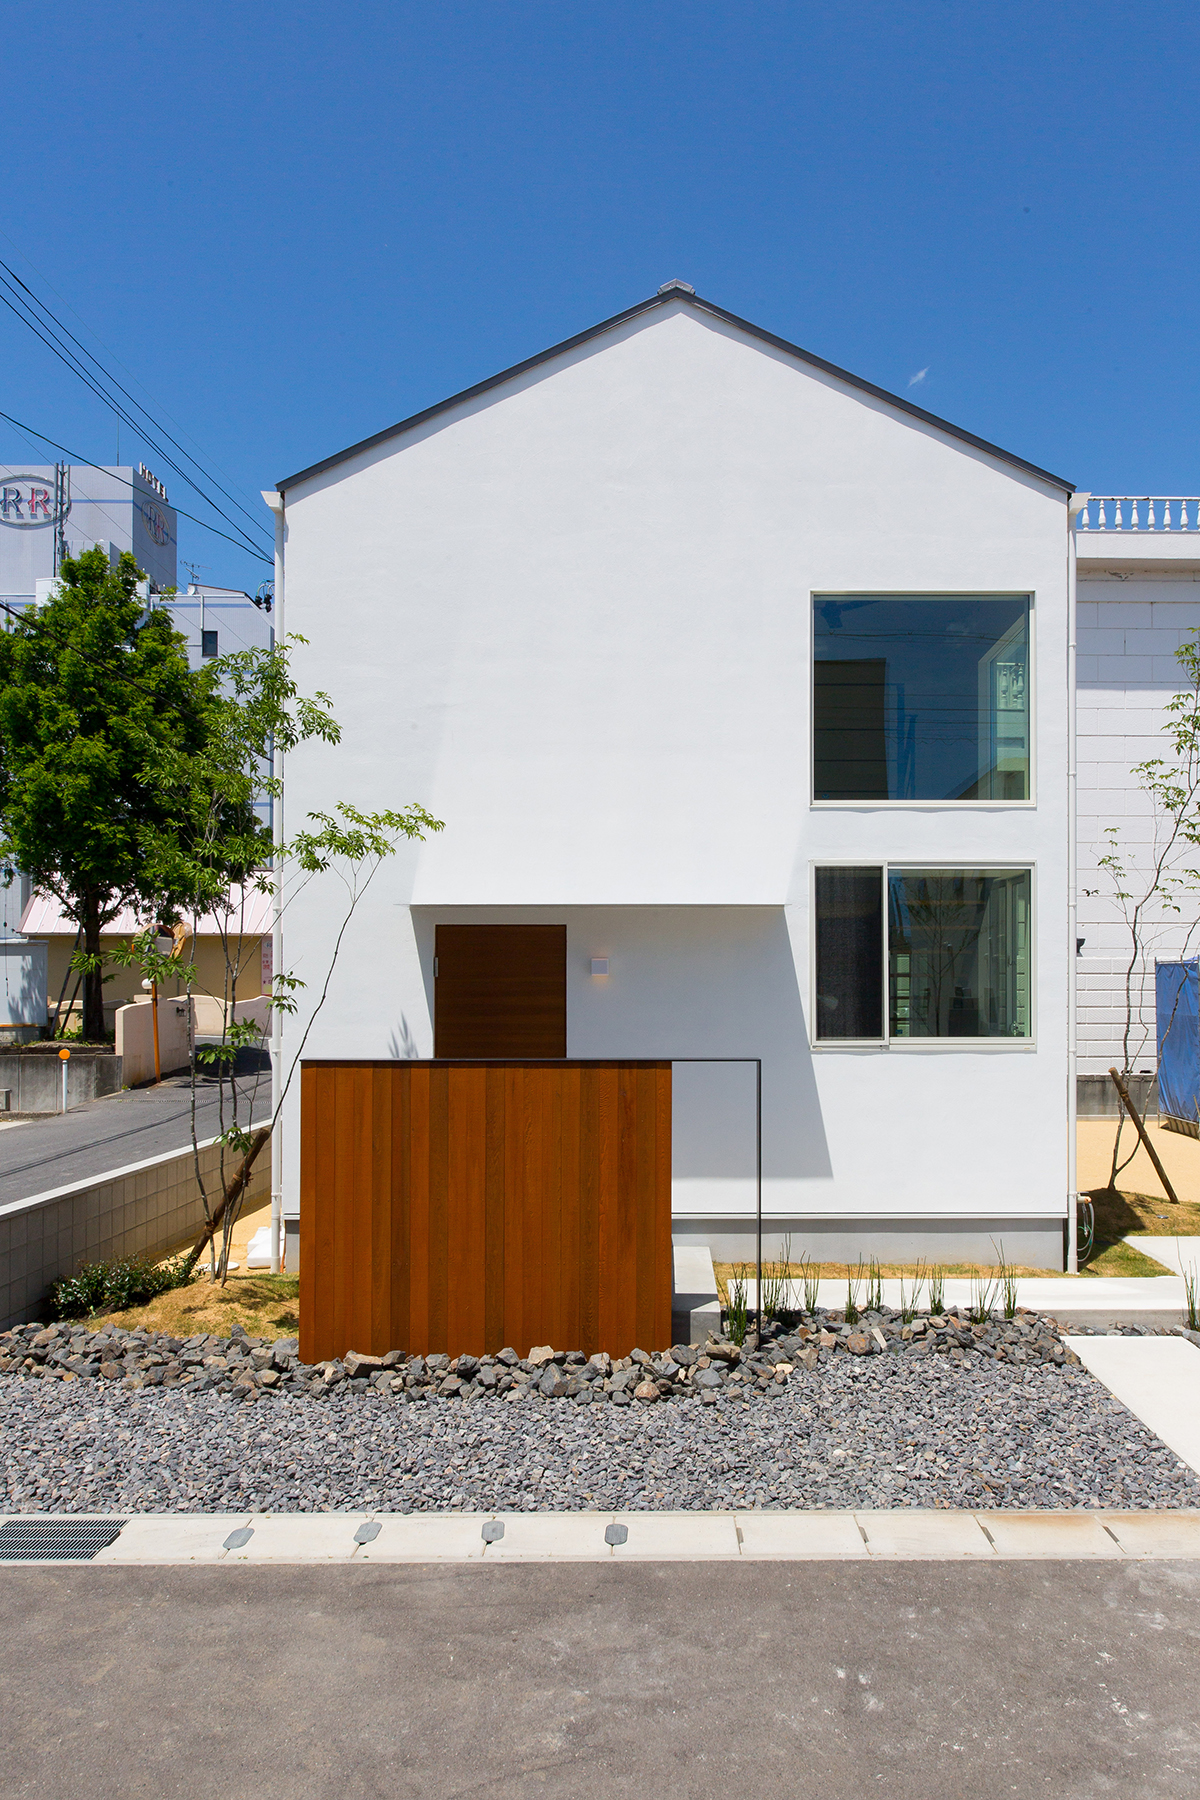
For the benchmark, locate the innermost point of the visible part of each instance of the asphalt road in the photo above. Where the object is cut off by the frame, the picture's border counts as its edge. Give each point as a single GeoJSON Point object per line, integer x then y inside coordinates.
{"type": "Point", "coordinates": [676, 1681]}
{"type": "Point", "coordinates": [129, 1127]}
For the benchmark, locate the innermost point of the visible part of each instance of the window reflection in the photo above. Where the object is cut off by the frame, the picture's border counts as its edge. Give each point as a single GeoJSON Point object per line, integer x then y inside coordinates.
{"type": "Point", "coordinates": [921, 698]}
{"type": "Point", "coordinates": [958, 953]}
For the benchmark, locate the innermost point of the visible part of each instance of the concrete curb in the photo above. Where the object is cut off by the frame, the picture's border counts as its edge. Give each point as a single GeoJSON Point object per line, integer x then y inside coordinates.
{"type": "Point", "coordinates": [901, 1535]}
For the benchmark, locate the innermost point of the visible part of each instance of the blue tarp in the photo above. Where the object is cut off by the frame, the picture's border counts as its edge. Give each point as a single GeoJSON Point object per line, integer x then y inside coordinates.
{"type": "Point", "coordinates": [1177, 1005]}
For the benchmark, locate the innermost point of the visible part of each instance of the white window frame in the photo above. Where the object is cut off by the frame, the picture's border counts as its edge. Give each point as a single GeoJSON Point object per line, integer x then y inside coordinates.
{"type": "Point", "coordinates": [909, 1045]}
{"type": "Point", "coordinates": [955, 806]}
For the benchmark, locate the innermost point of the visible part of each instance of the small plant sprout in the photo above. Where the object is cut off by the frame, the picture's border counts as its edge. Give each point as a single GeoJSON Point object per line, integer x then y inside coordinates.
{"type": "Point", "coordinates": [735, 1310]}
{"type": "Point", "coordinates": [874, 1287]}
{"type": "Point", "coordinates": [1008, 1281]}
{"type": "Point", "coordinates": [854, 1280]}
{"type": "Point", "coordinates": [937, 1288]}
{"type": "Point", "coordinates": [983, 1296]}
{"type": "Point", "coordinates": [810, 1274]}
{"type": "Point", "coordinates": [775, 1282]}
{"type": "Point", "coordinates": [774, 1286]}
{"type": "Point", "coordinates": [910, 1302]}
{"type": "Point", "coordinates": [1189, 1291]}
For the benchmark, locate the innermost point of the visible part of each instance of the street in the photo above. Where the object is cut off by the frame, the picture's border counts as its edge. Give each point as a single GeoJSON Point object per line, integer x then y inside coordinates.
{"type": "Point", "coordinates": [658, 1682]}
{"type": "Point", "coordinates": [41, 1154]}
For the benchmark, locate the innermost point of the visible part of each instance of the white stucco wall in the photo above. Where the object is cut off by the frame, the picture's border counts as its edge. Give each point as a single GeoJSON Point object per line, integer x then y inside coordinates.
{"type": "Point", "coordinates": [1130, 625]}
{"type": "Point", "coordinates": [573, 619]}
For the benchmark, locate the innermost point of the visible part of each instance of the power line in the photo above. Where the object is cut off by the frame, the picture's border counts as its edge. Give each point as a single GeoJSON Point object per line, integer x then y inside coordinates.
{"type": "Point", "coordinates": [88, 464]}
{"type": "Point", "coordinates": [43, 277]}
{"type": "Point", "coordinates": [108, 376]}
{"type": "Point", "coordinates": [70, 361]}
{"type": "Point", "coordinates": [243, 541]}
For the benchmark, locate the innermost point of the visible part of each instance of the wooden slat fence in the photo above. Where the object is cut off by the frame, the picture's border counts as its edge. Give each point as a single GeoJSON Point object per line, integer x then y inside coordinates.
{"type": "Point", "coordinates": [465, 1206]}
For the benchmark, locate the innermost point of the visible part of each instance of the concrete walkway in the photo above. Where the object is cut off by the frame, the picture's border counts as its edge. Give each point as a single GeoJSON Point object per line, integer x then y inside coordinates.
{"type": "Point", "coordinates": [902, 1535]}
{"type": "Point", "coordinates": [1182, 1253]}
{"type": "Point", "coordinates": [1158, 1379]}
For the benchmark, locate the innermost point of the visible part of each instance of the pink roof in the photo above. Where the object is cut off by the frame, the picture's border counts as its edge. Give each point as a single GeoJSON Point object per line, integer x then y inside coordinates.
{"type": "Point", "coordinates": [44, 917]}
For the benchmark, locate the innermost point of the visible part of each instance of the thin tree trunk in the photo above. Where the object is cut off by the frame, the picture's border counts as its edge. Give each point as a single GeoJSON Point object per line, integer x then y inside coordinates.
{"type": "Point", "coordinates": [93, 980]}
{"type": "Point", "coordinates": [1151, 1152]}
{"type": "Point", "coordinates": [231, 1196]}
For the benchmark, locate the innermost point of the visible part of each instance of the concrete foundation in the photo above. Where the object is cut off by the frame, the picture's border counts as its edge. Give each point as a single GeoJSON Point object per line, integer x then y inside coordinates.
{"type": "Point", "coordinates": [1096, 1097]}
{"type": "Point", "coordinates": [695, 1306]}
{"type": "Point", "coordinates": [1033, 1243]}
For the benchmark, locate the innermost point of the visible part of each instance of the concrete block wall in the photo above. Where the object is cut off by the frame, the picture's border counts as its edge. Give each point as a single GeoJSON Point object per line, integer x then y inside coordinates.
{"type": "Point", "coordinates": [146, 1209]}
{"type": "Point", "coordinates": [33, 1080]}
{"type": "Point", "coordinates": [1128, 632]}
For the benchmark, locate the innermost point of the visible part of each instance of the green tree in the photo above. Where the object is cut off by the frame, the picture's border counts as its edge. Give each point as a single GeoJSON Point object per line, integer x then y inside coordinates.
{"type": "Point", "coordinates": [98, 710]}
{"type": "Point", "coordinates": [225, 853]}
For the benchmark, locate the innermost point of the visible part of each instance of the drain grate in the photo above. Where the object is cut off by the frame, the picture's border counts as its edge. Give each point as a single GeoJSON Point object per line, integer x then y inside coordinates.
{"type": "Point", "coordinates": [56, 1540]}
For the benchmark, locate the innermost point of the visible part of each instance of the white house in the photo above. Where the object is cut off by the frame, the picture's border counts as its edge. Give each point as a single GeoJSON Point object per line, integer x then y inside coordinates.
{"type": "Point", "coordinates": [754, 683]}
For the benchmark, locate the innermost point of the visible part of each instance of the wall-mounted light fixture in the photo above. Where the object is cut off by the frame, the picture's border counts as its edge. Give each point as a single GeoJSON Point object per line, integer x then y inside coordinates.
{"type": "Point", "coordinates": [599, 965]}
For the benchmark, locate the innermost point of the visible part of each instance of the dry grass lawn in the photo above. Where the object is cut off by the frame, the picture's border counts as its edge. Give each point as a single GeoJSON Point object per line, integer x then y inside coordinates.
{"type": "Point", "coordinates": [263, 1304]}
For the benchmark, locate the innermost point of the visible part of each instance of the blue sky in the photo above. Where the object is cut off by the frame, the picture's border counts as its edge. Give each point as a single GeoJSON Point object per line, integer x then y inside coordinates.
{"type": "Point", "coordinates": [296, 224]}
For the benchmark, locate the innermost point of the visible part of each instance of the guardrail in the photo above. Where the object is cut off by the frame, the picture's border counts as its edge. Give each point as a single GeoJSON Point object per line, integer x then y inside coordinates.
{"type": "Point", "coordinates": [1141, 512]}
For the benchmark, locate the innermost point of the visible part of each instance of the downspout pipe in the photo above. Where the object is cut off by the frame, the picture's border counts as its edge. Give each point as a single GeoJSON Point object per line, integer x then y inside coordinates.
{"type": "Point", "coordinates": [1074, 507]}
{"type": "Point", "coordinates": [276, 502]}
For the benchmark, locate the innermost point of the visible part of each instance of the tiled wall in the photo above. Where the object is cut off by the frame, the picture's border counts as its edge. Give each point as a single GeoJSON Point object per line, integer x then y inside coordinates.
{"type": "Point", "coordinates": [1128, 632]}
{"type": "Point", "coordinates": [148, 1211]}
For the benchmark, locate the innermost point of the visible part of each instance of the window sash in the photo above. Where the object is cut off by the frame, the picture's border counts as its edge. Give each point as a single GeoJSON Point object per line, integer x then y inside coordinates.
{"type": "Point", "coordinates": [961, 966]}
{"type": "Point", "coordinates": [869, 731]}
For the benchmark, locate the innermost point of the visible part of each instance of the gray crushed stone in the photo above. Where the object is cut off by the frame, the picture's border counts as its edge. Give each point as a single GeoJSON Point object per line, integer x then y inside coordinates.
{"type": "Point", "coordinates": [883, 1431]}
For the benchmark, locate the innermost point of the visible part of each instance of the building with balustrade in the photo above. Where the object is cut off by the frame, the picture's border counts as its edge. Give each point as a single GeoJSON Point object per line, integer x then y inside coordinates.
{"type": "Point", "coordinates": [1138, 560]}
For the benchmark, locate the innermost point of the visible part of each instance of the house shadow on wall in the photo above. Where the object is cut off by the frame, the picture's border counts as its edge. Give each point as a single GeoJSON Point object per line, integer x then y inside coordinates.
{"type": "Point", "coordinates": [714, 1136]}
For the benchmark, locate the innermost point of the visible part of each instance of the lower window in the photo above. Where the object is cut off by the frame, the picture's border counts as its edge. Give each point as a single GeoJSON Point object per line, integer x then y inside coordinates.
{"type": "Point", "coordinates": [922, 953]}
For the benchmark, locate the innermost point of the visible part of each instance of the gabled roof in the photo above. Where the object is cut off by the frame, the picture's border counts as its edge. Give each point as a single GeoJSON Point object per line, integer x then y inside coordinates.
{"type": "Point", "coordinates": [669, 295]}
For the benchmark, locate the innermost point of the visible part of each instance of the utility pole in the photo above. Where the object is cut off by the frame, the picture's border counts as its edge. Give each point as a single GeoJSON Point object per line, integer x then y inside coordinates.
{"type": "Point", "coordinates": [62, 506]}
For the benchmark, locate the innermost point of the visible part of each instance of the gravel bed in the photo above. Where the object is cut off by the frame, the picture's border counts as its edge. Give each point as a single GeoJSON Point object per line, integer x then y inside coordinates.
{"type": "Point", "coordinates": [871, 1431]}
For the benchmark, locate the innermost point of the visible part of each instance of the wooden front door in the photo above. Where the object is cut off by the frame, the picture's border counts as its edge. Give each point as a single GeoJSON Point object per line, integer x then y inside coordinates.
{"type": "Point", "coordinates": [500, 991]}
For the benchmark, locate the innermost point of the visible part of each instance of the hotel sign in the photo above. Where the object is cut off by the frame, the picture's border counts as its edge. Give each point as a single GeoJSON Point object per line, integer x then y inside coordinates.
{"type": "Point", "coordinates": [26, 500]}
{"type": "Point", "coordinates": [155, 522]}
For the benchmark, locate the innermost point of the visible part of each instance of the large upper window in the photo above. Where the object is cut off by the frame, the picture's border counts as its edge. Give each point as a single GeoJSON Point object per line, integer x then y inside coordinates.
{"type": "Point", "coordinates": [921, 697]}
{"type": "Point", "coordinates": [955, 944]}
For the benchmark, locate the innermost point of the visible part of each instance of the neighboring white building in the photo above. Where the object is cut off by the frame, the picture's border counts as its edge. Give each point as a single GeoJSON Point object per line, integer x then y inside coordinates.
{"type": "Point", "coordinates": [60, 509]}
{"type": "Point", "coordinates": [754, 679]}
{"type": "Point", "coordinates": [216, 621]}
{"type": "Point", "coordinates": [1139, 565]}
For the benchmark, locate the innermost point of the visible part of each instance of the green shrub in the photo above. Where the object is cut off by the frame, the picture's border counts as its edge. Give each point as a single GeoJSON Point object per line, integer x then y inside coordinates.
{"type": "Point", "coordinates": [114, 1286]}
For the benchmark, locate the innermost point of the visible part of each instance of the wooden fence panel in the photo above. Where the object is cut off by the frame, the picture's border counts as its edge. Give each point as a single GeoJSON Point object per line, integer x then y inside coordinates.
{"type": "Point", "coordinates": [464, 1206]}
